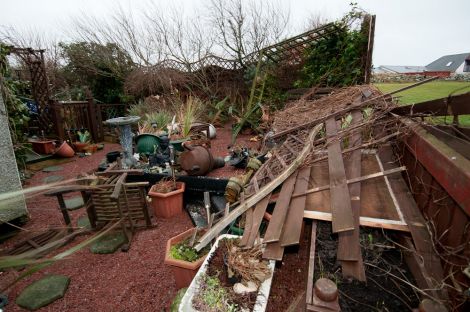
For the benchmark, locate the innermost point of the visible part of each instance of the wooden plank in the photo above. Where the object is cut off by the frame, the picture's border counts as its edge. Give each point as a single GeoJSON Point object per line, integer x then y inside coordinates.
{"type": "Point", "coordinates": [266, 190]}
{"type": "Point", "coordinates": [273, 251]}
{"type": "Point", "coordinates": [349, 248]}
{"type": "Point", "coordinates": [412, 216]}
{"type": "Point", "coordinates": [339, 192]}
{"type": "Point", "coordinates": [248, 227]}
{"type": "Point", "coordinates": [311, 263]}
{"type": "Point", "coordinates": [364, 221]}
{"type": "Point", "coordinates": [448, 106]}
{"type": "Point", "coordinates": [276, 225]}
{"type": "Point", "coordinates": [258, 214]}
{"type": "Point", "coordinates": [351, 181]}
{"type": "Point", "coordinates": [293, 224]}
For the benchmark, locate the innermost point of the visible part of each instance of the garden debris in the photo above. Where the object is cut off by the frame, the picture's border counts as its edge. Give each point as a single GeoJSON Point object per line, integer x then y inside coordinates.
{"type": "Point", "coordinates": [247, 263]}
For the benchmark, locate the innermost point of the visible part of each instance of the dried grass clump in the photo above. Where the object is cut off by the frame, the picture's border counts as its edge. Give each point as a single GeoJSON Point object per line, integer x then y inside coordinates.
{"type": "Point", "coordinates": [247, 263]}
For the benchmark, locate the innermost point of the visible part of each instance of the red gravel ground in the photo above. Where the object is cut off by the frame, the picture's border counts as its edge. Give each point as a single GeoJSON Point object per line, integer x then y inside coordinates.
{"type": "Point", "coordinates": [136, 280]}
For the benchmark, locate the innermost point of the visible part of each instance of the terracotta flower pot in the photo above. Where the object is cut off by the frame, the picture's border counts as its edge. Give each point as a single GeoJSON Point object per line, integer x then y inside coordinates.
{"type": "Point", "coordinates": [80, 147]}
{"type": "Point", "coordinates": [167, 205]}
{"type": "Point", "coordinates": [91, 148]}
{"type": "Point", "coordinates": [43, 147]}
{"type": "Point", "coordinates": [65, 150]}
{"type": "Point", "coordinates": [183, 271]}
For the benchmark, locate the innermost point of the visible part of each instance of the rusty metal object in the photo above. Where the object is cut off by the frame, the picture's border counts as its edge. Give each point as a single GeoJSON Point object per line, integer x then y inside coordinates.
{"type": "Point", "coordinates": [236, 184]}
{"type": "Point", "coordinates": [198, 160]}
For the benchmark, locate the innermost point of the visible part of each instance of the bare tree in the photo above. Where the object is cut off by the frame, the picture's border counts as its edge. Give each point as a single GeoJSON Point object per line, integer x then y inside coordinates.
{"type": "Point", "coordinates": [247, 27]}
{"type": "Point", "coordinates": [315, 20]}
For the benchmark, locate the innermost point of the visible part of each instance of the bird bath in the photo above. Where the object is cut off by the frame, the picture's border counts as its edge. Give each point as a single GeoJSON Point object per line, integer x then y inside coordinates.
{"type": "Point", "coordinates": [125, 137]}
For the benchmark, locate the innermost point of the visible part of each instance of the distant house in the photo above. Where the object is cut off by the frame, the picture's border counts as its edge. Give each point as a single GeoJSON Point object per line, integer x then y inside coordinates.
{"type": "Point", "coordinates": [392, 69]}
{"type": "Point", "coordinates": [454, 63]}
{"type": "Point", "coordinates": [442, 67]}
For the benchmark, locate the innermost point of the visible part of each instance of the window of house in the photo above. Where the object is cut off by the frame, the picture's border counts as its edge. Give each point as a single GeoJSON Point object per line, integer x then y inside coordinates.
{"type": "Point", "coordinates": [448, 64]}
{"type": "Point", "coordinates": [466, 67]}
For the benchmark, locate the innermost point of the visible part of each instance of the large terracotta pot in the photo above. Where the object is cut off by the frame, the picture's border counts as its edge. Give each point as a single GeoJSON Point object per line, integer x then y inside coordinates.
{"type": "Point", "coordinates": [80, 147]}
{"type": "Point", "coordinates": [65, 150]}
{"type": "Point", "coordinates": [183, 271]}
{"type": "Point", "coordinates": [167, 205]}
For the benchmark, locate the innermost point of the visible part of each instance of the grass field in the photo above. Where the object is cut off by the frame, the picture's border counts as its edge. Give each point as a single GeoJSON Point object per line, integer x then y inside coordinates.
{"type": "Point", "coordinates": [429, 91]}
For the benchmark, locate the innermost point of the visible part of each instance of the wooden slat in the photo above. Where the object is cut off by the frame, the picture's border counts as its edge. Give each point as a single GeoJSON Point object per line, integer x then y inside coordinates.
{"type": "Point", "coordinates": [248, 227]}
{"type": "Point", "coordinates": [364, 221]}
{"type": "Point", "coordinates": [339, 192]}
{"type": "Point", "coordinates": [274, 231]}
{"type": "Point", "coordinates": [412, 216]}
{"type": "Point", "coordinates": [293, 224]}
{"type": "Point", "coordinates": [311, 263]}
{"type": "Point", "coordinates": [258, 214]}
{"type": "Point", "coordinates": [349, 248]}
{"type": "Point", "coordinates": [273, 251]}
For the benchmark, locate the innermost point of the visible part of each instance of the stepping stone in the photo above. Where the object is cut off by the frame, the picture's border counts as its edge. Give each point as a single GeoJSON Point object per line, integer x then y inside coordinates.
{"type": "Point", "coordinates": [52, 169]}
{"type": "Point", "coordinates": [74, 203]}
{"type": "Point", "coordinates": [109, 243]}
{"type": "Point", "coordinates": [84, 222]}
{"type": "Point", "coordinates": [52, 179]}
{"type": "Point", "coordinates": [43, 292]}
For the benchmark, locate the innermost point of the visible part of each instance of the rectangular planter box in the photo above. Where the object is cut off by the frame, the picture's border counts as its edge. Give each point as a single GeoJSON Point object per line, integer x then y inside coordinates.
{"type": "Point", "coordinates": [43, 147]}
{"type": "Point", "coordinates": [263, 292]}
{"type": "Point", "coordinates": [167, 205]}
{"type": "Point", "coordinates": [183, 271]}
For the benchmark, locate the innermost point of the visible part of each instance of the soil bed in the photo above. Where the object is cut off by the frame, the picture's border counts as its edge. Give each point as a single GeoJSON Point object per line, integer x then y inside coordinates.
{"type": "Point", "coordinates": [216, 268]}
{"type": "Point", "coordinates": [290, 276]}
{"type": "Point", "coordinates": [382, 259]}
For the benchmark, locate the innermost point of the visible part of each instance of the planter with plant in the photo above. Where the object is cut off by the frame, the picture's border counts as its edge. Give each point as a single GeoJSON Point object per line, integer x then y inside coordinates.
{"type": "Point", "coordinates": [187, 113]}
{"type": "Point", "coordinates": [83, 141]}
{"type": "Point", "coordinates": [184, 259]}
{"type": "Point", "coordinates": [167, 198]}
{"type": "Point", "coordinates": [231, 278]}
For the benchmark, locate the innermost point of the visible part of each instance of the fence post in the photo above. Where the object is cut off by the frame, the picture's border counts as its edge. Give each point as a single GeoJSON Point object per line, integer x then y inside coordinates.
{"type": "Point", "coordinates": [57, 116]}
{"type": "Point", "coordinates": [93, 120]}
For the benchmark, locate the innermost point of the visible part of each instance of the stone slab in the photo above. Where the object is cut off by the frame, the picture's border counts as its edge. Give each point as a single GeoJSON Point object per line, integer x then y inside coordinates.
{"type": "Point", "coordinates": [43, 292]}
{"type": "Point", "coordinates": [52, 179]}
{"type": "Point", "coordinates": [109, 243]}
{"type": "Point", "coordinates": [53, 169]}
{"type": "Point", "coordinates": [74, 203]}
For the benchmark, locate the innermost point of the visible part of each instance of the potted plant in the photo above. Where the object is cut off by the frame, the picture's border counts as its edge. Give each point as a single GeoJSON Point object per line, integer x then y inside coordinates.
{"type": "Point", "coordinates": [167, 198]}
{"type": "Point", "coordinates": [183, 259]}
{"type": "Point", "coordinates": [229, 276]}
{"type": "Point", "coordinates": [187, 114]}
{"type": "Point", "coordinates": [83, 140]}
{"type": "Point", "coordinates": [153, 125]}
{"type": "Point", "coordinates": [42, 146]}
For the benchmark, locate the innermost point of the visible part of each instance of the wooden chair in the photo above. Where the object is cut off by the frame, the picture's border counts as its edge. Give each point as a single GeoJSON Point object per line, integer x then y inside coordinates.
{"type": "Point", "coordinates": [110, 199]}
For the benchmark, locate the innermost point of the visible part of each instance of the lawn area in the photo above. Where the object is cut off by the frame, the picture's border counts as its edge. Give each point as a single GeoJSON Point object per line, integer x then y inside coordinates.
{"type": "Point", "coordinates": [429, 91]}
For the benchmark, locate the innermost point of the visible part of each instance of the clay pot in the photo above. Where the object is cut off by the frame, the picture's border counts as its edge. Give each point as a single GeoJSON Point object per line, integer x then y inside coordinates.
{"type": "Point", "coordinates": [183, 271]}
{"type": "Point", "coordinates": [65, 150]}
{"type": "Point", "coordinates": [167, 205]}
{"type": "Point", "coordinates": [91, 148]}
{"type": "Point", "coordinates": [43, 147]}
{"type": "Point", "coordinates": [80, 147]}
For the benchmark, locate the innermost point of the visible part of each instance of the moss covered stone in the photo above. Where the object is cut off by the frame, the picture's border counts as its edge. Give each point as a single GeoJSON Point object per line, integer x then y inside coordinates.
{"type": "Point", "coordinates": [109, 243]}
{"type": "Point", "coordinates": [43, 292]}
{"type": "Point", "coordinates": [74, 203]}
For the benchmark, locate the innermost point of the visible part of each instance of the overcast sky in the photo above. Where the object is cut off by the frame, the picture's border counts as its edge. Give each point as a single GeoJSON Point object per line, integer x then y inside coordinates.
{"type": "Point", "coordinates": [408, 32]}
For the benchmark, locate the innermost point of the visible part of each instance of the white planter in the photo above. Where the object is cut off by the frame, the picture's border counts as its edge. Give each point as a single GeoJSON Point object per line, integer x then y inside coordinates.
{"type": "Point", "coordinates": [263, 292]}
